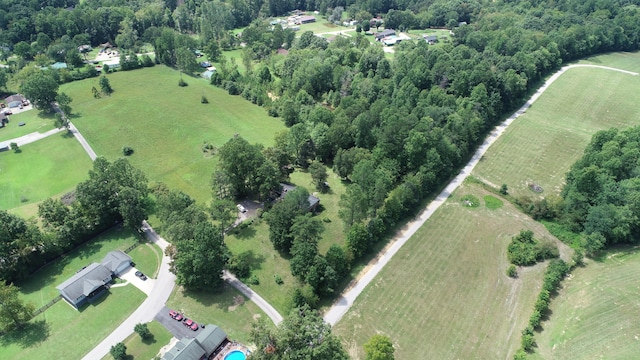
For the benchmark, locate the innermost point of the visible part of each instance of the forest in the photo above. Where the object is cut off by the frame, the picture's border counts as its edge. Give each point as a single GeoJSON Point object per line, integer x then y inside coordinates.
{"type": "Point", "coordinates": [394, 129]}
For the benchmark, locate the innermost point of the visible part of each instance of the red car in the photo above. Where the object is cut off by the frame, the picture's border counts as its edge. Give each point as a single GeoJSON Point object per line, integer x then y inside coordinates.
{"type": "Point", "coordinates": [173, 313]}
{"type": "Point", "coordinates": [179, 317]}
{"type": "Point", "coordinates": [189, 322]}
{"type": "Point", "coordinates": [194, 326]}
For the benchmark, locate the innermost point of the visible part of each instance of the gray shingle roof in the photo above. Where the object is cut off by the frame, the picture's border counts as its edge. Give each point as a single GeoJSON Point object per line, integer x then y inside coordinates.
{"type": "Point", "coordinates": [185, 349]}
{"type": "Point", "coordinates": [210, 338]}
{"type": "Point", "coordinates": [85, 281]}
{"type": "Point", "coordinates": [114, 260]}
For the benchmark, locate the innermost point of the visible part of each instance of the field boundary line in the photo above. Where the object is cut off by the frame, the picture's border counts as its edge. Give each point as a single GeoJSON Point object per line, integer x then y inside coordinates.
{"type": "Point", "coordinates": [340, 307]}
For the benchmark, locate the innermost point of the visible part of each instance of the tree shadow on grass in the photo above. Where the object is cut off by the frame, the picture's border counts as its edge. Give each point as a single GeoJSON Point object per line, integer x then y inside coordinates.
{"type": "Point", "coordinates": [247, 233]}
{"type": "Point", "coordinates": [255, 260]}
{"type": "Point", "coordinates": [27, 335]}
{"type": "Point", "coordinates": [150, 340]}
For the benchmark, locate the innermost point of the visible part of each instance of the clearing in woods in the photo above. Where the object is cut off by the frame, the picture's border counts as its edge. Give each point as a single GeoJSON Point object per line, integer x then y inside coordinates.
{"type": "Point", "coordinates": [540, 146]}
{"type": "Point", "coordinates": [445, 294]}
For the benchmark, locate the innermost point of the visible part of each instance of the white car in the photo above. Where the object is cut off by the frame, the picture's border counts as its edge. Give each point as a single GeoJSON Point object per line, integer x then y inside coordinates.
{"type": "Point", "coordinates": [241, 208]}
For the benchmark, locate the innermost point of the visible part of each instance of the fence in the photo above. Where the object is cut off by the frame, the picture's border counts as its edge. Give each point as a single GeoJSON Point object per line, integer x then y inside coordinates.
{"type": "Point", "coordinates": [47, 305]}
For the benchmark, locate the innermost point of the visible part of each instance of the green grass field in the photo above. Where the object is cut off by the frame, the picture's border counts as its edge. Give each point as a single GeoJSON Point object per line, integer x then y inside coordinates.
{"type": "Point", "coordinates": [225, 308]}
{"type": "Point", "coordinates": [47, 167]}
{"type": "Point", "coordinates": [445, 294]}
{"type": "Point", "coordinates": [595, 315]}
{"type": "Point", "coordinates": [149, 348]}
{"type": "Point", "coordinates": [40, 288]}
{"type": "Point", "coordinates": [34, 121]}
{"type": "Point", "coordinates": [540, 146]}
{"type": "Point", "coordinates": [147, 258]}
{"type": "Point", "coordinates": [166, 124]}
{"type": "Point", "coordinates": [622, 60]}
{"type": "Point", "coordinates": [61, 332]}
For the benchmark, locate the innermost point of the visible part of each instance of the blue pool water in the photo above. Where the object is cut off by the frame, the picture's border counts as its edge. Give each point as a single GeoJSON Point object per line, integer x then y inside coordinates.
{"type": "Point", "coordinates": [235, 355]}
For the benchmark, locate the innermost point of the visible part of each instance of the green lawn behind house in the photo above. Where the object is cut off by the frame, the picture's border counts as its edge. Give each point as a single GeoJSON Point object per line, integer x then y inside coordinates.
{"type": "Point", "coordinates": [42, 169]}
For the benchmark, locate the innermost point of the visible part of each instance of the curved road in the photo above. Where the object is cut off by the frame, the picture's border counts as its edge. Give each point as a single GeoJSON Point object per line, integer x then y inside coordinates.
{"type": "Point", "coordinates": [342, 305]}
{"type": "Point", "coordinates": [253, 296]}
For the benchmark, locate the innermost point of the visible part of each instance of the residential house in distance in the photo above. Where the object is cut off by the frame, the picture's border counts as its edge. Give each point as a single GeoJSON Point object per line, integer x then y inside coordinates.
{"type": "Point", "coordinates": [209, 342]}
{"type": "Point", "coordinates": [313, 200]}
{"type": "Point", "coordinates": [93, 280]}
{"type": "Point", "coordinates": [305, 19]}
{"type": "Point", "coordinates": [15, 101]}
{"type": "Point", "coordinates": [384, 33]}
{"type": "Point", "coordinates": [431, 39]}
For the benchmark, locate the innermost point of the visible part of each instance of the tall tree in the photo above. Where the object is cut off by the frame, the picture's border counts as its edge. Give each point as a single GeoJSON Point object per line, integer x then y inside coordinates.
{"type": "Point", "coordinates": [64, 103]}
{"type": "Point", "coordinates": [198, 262]}
{"type": "Point", "coordinates": [224, 211]}
{"type": "Point", "coordinates": [282, 215]}
{"type": "Point", "coordinates": [105, 85]}
{"type": "Point", "coordinates": [13, 311]}
{"type": "Point", "coordinates": [302, 335]}
{"type": "Point", "coordinates": [40, 88]}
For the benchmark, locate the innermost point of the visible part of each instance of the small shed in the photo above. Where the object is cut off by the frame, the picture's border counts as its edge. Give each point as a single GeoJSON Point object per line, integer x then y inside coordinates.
{"type": "Point", "coordinates": [4, 146]}
{"type": "Point", "coordinates": [431, 39]}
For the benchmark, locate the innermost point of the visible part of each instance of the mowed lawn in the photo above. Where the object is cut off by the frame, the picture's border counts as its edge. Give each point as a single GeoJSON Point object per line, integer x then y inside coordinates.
{"type": "Point", "coordinates": [47, 167]}
{"type": "Point", "coordinates": [226, 308]}
{"type": "Point", "coordinates": [40, 288]}
{"type": "Point", "coordinates": [629, 61]}
{"type": "Point", "coordinates": [61, 332]}
{"type": "Point", "coordinates": [595, 316]}
{"type": "Point", "coordinates": [445, 294]}
{"type": "Point", "coordinates": [166, 125]}
{"type": "Point", "coordinates": [541, 145]}
{"type": "Point", "coordinates": [34, 121]}
{"type": "Point", "coordinates": [148, 348]}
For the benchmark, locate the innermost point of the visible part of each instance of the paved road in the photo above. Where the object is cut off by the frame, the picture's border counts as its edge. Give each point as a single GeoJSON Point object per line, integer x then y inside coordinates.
{"type": "Point", "coordinates": [342, 305]}
{"type": "Point", "coordinates": [257, 299]}
{"type": "Point", "coordinates": [34, 136]}
{"type": "Point", "coordinates": [150, 307]}
{"type": "Point", "coordinates": [83, 141]}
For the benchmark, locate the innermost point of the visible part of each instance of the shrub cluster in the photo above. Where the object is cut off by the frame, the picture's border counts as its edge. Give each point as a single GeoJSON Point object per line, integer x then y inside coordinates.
{"type": "Point", "coordinates": [524, 250]}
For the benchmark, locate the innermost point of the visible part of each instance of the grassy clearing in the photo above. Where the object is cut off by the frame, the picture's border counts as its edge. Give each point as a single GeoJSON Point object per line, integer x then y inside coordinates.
{"type": "Point", "coordinates": [61, 332]}
{"type": "Point", "coordinates": [40, 288]}
{"type": "Point", "coordinates": [595, 314]}
{"type": "Point", "coordinates": [320, 26]}
{"type": "Point", "coordinates": [42, 169]}
{"type": "Point", "coordinates": [449, 281]}
{"type": "Point", "coordinates": [621, 60]}
{"type": "Point", "coordinates": [166, 125]}
{"type": "Point", "coordinates": [146, 349]}
{"type": "Point", "coordinates": [225, 308]}
{"type": "Point", "coordinates": [492, 202]}
{"type": "Point", "coordinates": [147, 258]}
{"type": "Point", "coordinates": [34, 121]}
{"type": "Point", "coordinates": [542, 144]}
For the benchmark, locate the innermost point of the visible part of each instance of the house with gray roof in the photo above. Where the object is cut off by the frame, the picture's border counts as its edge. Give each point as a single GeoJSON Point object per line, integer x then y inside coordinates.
{"type": "Point", "coordinates": [92, 281]}
{"type": "Point", "coordinates": [208, 342]}
{"type": "Point", "coordinates": [86, 285]}
{"type": "Point", "coordinates": [116, 262]}
{"type": "Point", "coordinates": [14, 101]}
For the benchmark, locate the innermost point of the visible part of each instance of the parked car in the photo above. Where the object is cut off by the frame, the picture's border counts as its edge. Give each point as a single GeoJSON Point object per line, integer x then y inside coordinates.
{"type": "Point", "coordinates": [173, 313]}
{"type": "Point", "coordinates": [194, 326]}
{"type": "Point", "coordinates": [179, 317]}
{"type": "Point", "coordinates": [241, 208]}
{"type": "Point", "coordinates": [189, 322]}
{"type": "Point", "coordinates": [8, 112]}
{"type": "Point", "coordinates": [141, 275]}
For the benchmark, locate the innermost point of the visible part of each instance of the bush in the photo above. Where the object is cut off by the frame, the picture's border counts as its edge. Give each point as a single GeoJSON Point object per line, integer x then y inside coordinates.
{"type": "Point", "coordinates": [524, 250]}
{"type": "Point", "coordinates": [278, 279]}
{"type": "Point", "coordinates": [528, 342]}
{"type": "Point", "coordinates": [512, 272]}
{"type": "Point", "coordinates": [204, 100]}
{"type": "Point", "coordinates": [118, 351]}
{"type": "Point", "coordinates": [504, 190]}
{"type": "Point", "coordinates": [147, 62]}
{"type": "Point", "coordinates": [182, 83]}
{"type": "Point", "coordinates": [240, 265]}
{"type": "Point", "coordinates": [253, 280]}
{"type": "Point", "coordinates": [143, 331]}
{"type": "Point", "coordinates": [127, 150]}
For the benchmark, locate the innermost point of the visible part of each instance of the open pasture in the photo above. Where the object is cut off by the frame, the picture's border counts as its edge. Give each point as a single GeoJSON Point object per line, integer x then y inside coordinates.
{"type": "Point", "coordinates": [42, 169]}
{"type": "Point", "coordinates": [166, 125]}
{"type": "Point", "coordinates": [541, 145]}
{"type": "Point", "coordinates": [445, 294]}
{"type": "Point", "coordinates": [595, 315]}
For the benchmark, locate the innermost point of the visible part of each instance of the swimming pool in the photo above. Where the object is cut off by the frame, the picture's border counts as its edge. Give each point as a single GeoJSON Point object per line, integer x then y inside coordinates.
{"type": "Point", "coordinates": [235, 355]}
